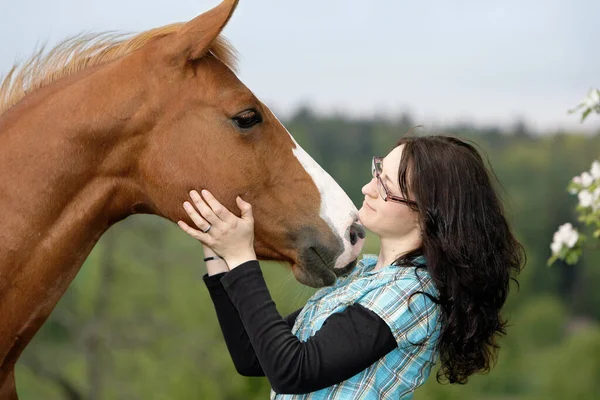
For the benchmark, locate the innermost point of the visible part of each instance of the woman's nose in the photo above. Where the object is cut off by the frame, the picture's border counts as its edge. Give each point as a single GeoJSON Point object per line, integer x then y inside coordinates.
{"type": "Point", "coordinates": [369, 188]}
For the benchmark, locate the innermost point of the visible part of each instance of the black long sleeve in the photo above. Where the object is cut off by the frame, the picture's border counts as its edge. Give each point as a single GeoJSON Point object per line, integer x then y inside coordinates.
{"type": "Point", "coordinates": [347, 343]}
{"type": "Point", "coordinates": [236, 338]}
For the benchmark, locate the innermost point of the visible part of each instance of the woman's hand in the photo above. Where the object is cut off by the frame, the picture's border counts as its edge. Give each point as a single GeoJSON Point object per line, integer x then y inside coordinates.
{"type": "Point", "coordinates": [218, 228]}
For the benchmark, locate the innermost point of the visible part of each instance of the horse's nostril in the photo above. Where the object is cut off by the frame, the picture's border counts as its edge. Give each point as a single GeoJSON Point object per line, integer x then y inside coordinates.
{"type": "Point", "coordinates": [353, 237]}
{"type": "Point", "coordinates": [356, 231]}
{"type": "Point", "coordinates": [361, 232]}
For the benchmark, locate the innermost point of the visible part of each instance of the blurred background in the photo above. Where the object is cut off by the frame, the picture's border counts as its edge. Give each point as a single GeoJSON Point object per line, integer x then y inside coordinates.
{"type": "Point", "coordinates": [347, 78]}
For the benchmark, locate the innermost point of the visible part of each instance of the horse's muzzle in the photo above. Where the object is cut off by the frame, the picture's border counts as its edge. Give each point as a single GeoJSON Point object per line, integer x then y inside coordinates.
{"type": "Point", "coordinates": [318, 255]}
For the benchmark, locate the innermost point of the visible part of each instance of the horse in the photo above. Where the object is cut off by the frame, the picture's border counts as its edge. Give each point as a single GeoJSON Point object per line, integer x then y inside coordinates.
{"type": "Point", "coordinates": [103, 127]}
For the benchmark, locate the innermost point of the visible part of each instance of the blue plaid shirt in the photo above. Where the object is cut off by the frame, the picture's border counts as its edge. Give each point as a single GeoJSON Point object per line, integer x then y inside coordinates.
{"type": "Point", "coordinates": [385, 292]}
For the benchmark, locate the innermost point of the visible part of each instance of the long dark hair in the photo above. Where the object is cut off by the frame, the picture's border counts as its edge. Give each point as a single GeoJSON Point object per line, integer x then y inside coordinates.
{"type": "Point", "coordinates": [469, 248]}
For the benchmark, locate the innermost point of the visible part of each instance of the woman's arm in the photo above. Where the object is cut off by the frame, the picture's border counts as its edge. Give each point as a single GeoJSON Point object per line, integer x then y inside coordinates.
{"type": "Point", "coordinates": [347, 343]}
{"type": "Point", "coordinates": [237, 341]}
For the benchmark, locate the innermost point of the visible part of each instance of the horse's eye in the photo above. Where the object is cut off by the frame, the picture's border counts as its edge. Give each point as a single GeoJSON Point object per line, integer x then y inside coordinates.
{"type": "Point", "coordinates": [247, 119]}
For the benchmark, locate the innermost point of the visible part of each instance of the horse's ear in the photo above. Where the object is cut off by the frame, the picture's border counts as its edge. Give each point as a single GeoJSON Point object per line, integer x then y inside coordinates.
{"type": "Point", "coordinates": [194, 39]}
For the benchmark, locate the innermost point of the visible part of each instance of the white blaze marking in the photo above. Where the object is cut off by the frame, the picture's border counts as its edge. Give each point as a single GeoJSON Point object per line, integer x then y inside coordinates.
{"type": "Point", "coordinates": [337, 210]}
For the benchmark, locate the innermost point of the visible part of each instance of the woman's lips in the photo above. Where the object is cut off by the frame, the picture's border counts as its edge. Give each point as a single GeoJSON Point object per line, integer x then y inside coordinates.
{"type": "Point", "coordinates": [367, 205]}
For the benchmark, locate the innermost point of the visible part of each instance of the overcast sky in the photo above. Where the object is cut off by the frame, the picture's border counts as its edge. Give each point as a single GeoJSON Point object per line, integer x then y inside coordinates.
{"type": "Point", "coordinates": [441, 60]}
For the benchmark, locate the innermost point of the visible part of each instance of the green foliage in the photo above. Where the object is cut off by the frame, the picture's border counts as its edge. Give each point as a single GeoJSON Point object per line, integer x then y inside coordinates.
{"type": "Point", "coordinates": [574, 370]}
{"type": "Point", "coordinates": [137, 322]}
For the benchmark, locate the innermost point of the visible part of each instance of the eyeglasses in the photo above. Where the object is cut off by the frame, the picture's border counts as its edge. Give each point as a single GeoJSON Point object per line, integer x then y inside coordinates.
{"type": "Point", "coordinates": [376, 168]}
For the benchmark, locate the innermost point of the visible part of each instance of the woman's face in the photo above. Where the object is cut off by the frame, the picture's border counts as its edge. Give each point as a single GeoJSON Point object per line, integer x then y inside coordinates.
{"type": "Point", "coordinates": [388, 219]}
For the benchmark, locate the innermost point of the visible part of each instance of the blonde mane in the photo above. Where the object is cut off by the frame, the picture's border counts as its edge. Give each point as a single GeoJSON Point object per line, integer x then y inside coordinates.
{"type": "Point", "coordinates": [83, 51]}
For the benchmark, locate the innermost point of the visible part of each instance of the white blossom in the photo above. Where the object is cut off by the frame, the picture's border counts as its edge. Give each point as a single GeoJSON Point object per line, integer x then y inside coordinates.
{"type": "Point", "coordinates": [586, 179]}
{"type": "Point", "coordinates": [586, 198]}
{"type": "Point", "coordinates": [566, 235]}
{"type": "Point", "coordinates": [595, 170]}
{"type": "Point", "coordinates": [592, 100]}
{"type": "Point", "coordinates": [565, 229]}
{"type": "Point", "coordinates": [596, 199]}
{"type": "Point", "coordinates": [571, 240]}
{"type": "Point", "coordinates": [556, 247]}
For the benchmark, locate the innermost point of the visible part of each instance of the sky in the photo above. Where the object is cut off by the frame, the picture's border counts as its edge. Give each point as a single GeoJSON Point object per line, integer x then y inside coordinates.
{"type": "Point", "coordinates": [444, 62]}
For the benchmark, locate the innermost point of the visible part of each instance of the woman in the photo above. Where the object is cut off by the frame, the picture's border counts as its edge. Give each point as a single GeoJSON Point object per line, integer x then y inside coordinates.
{"type": "Point", "coordinates": [434, 291]}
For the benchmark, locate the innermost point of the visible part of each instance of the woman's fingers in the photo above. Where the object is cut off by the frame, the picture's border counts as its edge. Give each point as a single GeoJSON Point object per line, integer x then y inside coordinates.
{"type": "Point", "coordinates": [245, 208]}
{"type": "Point", "coordinates": [230, 237]}
{"type": "Point", "coordinates": [205, 210]}
{"type": "Point", "coordinates": [196, 234]}
{"type": "Point", "coordinates": [198, 220]}
{"type": "Point", "coordinates": [220, 211]}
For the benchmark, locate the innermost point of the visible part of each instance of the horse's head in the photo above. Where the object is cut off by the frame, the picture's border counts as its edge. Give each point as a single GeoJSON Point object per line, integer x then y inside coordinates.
{"type": "Point", "coordinates": [203, 128]}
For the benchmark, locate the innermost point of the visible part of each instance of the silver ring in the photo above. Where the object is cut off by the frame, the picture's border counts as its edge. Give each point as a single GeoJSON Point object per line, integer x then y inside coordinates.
{"type": "Point", "coordinates": [207, 229]}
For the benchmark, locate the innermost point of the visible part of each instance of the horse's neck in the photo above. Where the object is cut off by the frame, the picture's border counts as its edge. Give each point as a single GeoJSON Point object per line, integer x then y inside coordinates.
{"type": "Point", "coordinates": [57, 200]}
{"type": "Point", "coordinates": [40, 262]}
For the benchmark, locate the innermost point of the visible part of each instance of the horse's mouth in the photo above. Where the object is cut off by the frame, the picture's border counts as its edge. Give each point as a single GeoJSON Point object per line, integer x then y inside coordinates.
{"type": "Point", "coordinates": [315, 272]}
{"type": "Point", "coordinates": [325, 277]}
{"type": "Point", "coordinates": [345, 270]}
